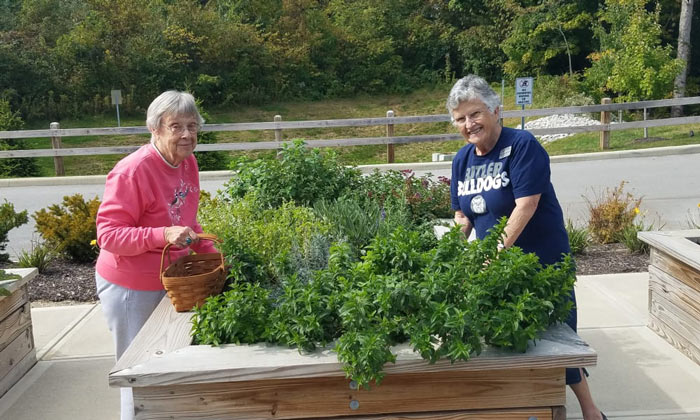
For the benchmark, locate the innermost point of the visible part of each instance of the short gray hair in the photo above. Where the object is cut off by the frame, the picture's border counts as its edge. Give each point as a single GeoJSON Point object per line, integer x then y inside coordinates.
{"type": "Point", "coordinates": [472, 87]}
{"type": "Point", "coordinates": [171, 102]}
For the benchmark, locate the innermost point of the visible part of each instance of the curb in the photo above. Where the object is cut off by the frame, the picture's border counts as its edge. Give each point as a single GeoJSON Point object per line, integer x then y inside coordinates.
{"type": "Point", "coordinates": [365, 169]}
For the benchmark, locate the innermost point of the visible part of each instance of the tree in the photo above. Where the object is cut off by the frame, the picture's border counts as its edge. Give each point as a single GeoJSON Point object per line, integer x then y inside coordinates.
{"type": "Point", "coordinates": [631, 64]}
{"type": "Point", "coordinates": [14, 167]}
{"type": "Point", "coordinates": [684, 27]}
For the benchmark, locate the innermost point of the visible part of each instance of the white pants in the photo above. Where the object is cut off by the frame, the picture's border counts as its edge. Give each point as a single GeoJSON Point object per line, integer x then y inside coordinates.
{"type": "Point", "coordinates": [126, 310]}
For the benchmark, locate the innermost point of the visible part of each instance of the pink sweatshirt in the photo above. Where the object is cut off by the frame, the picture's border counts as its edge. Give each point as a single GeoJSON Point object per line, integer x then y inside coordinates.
{"type": "Point", "coordinates": [143, 195]}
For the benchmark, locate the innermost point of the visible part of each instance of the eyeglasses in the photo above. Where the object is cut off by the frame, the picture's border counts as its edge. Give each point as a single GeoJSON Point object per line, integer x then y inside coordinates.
{"type": "Point", "coordinates": [180, 129]}
{"type": "Point", "coordinates": [473, 117]}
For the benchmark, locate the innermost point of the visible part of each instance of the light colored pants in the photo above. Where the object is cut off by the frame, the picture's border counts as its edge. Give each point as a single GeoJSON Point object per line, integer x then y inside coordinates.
{"type": "Point", "coordinates": [126, 310]}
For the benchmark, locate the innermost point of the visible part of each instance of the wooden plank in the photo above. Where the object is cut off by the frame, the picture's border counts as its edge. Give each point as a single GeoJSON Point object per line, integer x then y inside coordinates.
{"type": "Point", "coordinates": [15, 352]}
{"type": "Point", "coordinates": [675, 268]}
{"type": "Point", "coordinates": [681, 245]}
{"type": "Point", "coordinates": [164, 332]}
{"type": "Point", "coordinates": [16, 300]}
{"type": "Point", "coordinates": [557, 347]}
{"type": "Point", "coordinates": [680, 321]}
{"type": "Point", "coordinates": [684, 297]}
{"type": "Point", "coordinates": [676, 340]}
{"type": "Point", "coordinates": [559, 412]}
{"type": "Point", "coordinates": [19, 370]}
{"type": "Point", "coordinates": [507, 414]}
{"type": "Point", "coordinates": [14, 324]}
{"type": "Point", "coordinates": [330, 397]}
{"type": "Point", "coordinates": [600, 108]}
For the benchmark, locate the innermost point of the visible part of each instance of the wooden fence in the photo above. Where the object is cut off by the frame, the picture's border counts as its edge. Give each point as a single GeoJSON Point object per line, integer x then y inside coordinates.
{"type": "Point", "coordinates": [278, 126]}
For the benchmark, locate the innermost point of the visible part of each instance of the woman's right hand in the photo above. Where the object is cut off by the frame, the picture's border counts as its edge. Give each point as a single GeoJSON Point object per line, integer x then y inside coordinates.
{"type": "Point", "coordinates": [180, 236]}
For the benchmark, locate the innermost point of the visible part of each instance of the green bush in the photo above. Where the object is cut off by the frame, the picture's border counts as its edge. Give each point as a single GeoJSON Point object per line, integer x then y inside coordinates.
{"type": "Point", "coordinates": [426, 198]}
{"type": "Point", "coordinates": [70, 228]}
{"type": "Point", "coordinates": [611, 213]}
{"type": "Point", "coordinates": [40, 255]}
{"type": "Point", "coordinates": [263, 244]}
{"type": "Point", "coordinates": [14, 167]}
{"type": "Point", "coordinates": [300, 174]}
{"type": "Point", "coordinates": [9, 219]}
{"type": "Point", "coordinates": [579, 238]}
{"type": "Point", "coordinates": [629, 237]}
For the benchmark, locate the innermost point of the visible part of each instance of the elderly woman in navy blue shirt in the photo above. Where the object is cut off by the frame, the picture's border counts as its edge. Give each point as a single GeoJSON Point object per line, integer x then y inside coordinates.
{"type": "Point", "coordinates": [505, 172]}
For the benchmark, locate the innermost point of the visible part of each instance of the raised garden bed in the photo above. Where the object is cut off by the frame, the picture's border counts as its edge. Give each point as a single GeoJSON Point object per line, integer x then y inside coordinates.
{"type": "Point", "coordinates": [674, 288]}
{"type": "Point", "coordinates": [173, 379]}
{"type": "Point", "coordinates": [17, 353]}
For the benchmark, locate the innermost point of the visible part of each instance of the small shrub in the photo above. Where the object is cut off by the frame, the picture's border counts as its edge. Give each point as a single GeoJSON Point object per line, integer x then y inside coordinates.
{"type": "Point", "coordinates": [300, 174]}
{"type": "Point", "coordinates": [579, 238]}
{"type": "Point", "coordinates": [611, 213]}
{"type": "Point", "coordinates": [9, 219]}
{"type": "Point", "coordinates": [14, 167]}
{"type": "Point", "coordinates": [40, 255]}
{"type": "Point", "coordinates": [632, 242]}
{"type": "Point", "coordinates": [70, 227]}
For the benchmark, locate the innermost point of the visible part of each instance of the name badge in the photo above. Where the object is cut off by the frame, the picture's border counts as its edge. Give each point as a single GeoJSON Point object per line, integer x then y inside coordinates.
{"type": "Point", "coordinates": [505, 152]}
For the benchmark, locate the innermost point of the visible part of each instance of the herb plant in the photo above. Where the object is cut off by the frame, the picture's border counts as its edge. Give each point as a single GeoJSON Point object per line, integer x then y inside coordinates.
{"type": "Point", "coordinates": [446, 298]}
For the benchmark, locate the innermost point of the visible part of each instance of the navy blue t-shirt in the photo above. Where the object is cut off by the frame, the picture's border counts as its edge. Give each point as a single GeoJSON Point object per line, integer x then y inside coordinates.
{"type": "Point", "coordinates": [485, 187]}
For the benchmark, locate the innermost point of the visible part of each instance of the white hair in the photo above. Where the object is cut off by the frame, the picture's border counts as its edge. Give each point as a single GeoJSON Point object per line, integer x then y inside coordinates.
{"type": "Point", "coordinates": [171, 102]}
{"type": "Point", "coordinates": [472, 87]}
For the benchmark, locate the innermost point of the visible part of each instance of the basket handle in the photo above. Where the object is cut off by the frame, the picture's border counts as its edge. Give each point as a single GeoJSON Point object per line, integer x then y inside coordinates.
{"type": "Point", "coordinates": [166, 249]}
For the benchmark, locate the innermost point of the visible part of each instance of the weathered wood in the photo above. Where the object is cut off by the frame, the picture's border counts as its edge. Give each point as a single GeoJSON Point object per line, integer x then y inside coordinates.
{"type": "Point", "coordinates": [676, 340]}
{"type": "Point", "coordinates": [14, 324]}
{"type": "Point", "coordinates": [685, 297]}
{"type": "Point", "coordinates": [675, 268]}
{"type": "Point", "coordinates": [329, 397]}
{"type": "Point", "coordinates": [559, 413]}
{"type": "Point", "coordinates": [679, 244]}
{"type": "Point", "coordinates": [605, 121]}
{"type": "Point", "coordinates": [17, 299]}
{"type": "Point", "coordinates": [507, 414]}
{"type": "Point", "coordinates": [164, 332]}
{"type": "Point", "coordinates": [15, 351]}
{"type": "Point", "coordinates": [19, 370]}
{"type": "Point", "coordinates": [675, 317]}
{"type": "Point", "coordinates": [56, 144]}
{"type": "Point", "coordinates": [390, 133]}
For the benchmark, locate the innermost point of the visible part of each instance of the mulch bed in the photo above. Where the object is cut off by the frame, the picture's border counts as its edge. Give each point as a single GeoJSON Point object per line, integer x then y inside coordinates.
{"type": "Point", "coordinates": [67, 282]}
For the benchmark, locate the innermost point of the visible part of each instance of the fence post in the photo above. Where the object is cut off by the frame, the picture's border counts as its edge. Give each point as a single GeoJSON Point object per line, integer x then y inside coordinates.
{"type": "Point", "coordinates": [56, 144]}
{"type": "Point", "coordinates": [390, 133]}
{"type": "Point", "coordinates": [278, 131]}
{"type": "Point", "coordinates": [605, 120]}
{"type": "Point", "coordinates": [646, 129]}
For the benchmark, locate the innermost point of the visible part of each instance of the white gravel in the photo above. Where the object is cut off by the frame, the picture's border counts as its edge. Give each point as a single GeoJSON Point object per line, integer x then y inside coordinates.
{"type": "Point", "coordinates": [560, 120]}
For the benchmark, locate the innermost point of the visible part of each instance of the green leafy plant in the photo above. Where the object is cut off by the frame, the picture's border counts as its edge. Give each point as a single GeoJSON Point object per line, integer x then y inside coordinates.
{"type": "Point", "coordinates": [299, 174]}
{"type": "Point", "coordinates": [40, 255]}
{"type": "Point", "coordinates": [14, 167]}
{"type": "Point", "coordinates": [446, 299]}
{"type": "Point", "coordinates": [630, 239]}
{"type": "Point", "coordinates": [579, 238]}
{"type": "Point", "coordinates": [9, 219]}
{"type": "Point", "coordinates": [70, 227]}
{"type": "Point", "coordinates": [611, 213]}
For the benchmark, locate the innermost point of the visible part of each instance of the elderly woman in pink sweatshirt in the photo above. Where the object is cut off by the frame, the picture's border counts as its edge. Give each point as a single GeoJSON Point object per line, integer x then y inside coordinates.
{"type": "Point", "coordinates": [150, 200]}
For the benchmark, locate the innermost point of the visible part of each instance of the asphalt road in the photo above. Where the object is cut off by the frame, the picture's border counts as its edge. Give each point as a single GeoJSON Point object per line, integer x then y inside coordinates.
{"type": "Point", "coordinates": [668, 185]}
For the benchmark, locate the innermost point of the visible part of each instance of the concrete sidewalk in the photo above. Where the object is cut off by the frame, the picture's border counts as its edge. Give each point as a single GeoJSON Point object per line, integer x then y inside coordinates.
{"type": "Point", "coordinates": [639, 375]}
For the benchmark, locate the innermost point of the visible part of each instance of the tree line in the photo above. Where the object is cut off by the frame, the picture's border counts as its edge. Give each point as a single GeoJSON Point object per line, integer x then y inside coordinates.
{"type": "Point", "coordinates": [61, 58]}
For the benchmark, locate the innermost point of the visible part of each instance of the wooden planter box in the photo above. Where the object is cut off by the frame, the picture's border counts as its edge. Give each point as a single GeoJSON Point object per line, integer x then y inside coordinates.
{"type": "Point", "coordinates": [173, 379]}
{"type": "Point", "coordinates": [674, 288]}
{"type": "Point", "coordinates": [17, 354]}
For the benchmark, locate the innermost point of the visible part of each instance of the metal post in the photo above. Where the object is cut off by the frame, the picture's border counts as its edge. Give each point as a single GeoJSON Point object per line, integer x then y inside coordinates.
{"type": "Point", "coordinates": [390, 133]}
{"type": "Point", "coordinates": [605, 121]}
{"type": "Point", "coordinates": [522, 119]}
{"type": "Point", "coordinates": [646, 129]}
{"type": "Point", "coordinates": [119, 123]}
{"type": "Point", "coordinates": [56, 144]}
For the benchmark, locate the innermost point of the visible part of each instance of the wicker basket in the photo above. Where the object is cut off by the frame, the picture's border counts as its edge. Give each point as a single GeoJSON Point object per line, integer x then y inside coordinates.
{"type": "Point", "coordinates": [192, 278]}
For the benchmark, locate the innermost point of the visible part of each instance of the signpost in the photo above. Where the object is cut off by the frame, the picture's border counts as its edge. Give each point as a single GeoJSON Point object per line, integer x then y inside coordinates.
{"type": "Point", "coordinates": [523, 94]}
{"type": "Point", "coordinates": [116, 100]}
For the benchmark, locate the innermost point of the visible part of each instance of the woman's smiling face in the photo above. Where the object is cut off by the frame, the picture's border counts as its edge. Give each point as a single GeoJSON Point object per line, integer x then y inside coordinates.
{"type": "Point", "coordinates": [477, 124]}
{"type": "Point", "coordinates": [176, 137]}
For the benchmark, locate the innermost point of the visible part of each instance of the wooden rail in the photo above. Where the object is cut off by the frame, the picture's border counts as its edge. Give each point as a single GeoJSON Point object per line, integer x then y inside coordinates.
{"type": "Point", "coordinates": [390, 121]}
